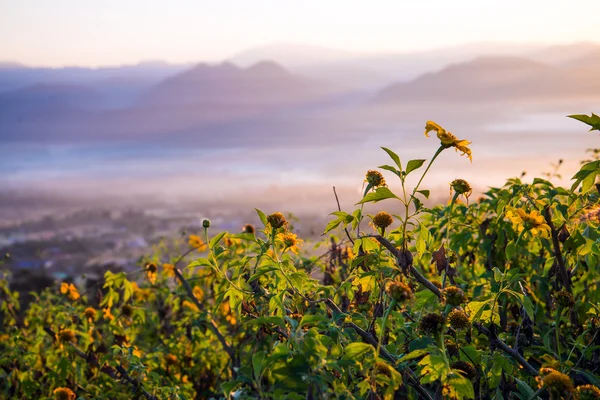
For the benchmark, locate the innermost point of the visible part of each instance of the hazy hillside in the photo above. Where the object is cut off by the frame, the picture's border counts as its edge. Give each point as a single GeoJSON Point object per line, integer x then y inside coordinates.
{"type": "Point", "coordinates": [494, 78]}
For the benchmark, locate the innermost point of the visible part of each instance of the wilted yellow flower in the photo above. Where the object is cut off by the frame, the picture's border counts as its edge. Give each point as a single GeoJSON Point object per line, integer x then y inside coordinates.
{"type": "Point", "coordinates": [290, 241]}
{"type": "Point", "coordinates": [139, 293]}
{"type": "Point", "coordinates": [171, 359]}
{"type": "Point", "coordinates": [448, 140]}
{"type": "Point", "coordinates": [564, 299]}
{"type": "Point", "coordinates": [558, 383]}
{"type": "Point", "coordinates": [90, 314]}
{"type": "Point", "coordinates": [66, 335]}
{"type": "Point", "coordinates": [248, 228]}
{"type": "Point", "coordinates": [399, 291]}
{"type": "Point", "coordinates": [461, 186]}
{"type": "Point", "coordinates": [458, 319]}
{"type": "Point", "coordinates": [63, 393]}
{"type": "Point", "coordinates": [587, 392]}
{"type": "Point", "coordinates": [197, 243]}
{"type": "Point", "coordinates": [276, 220]}
{"type": "Point", "coordinates": [70, 290]}
{"type": "Point", "coordinates": [375, 179]}
{"type": "Point", "coordinates": [533, 222]}
{"type": "Point", "coordinates": [151, 270]}
{"type": "Point", "coordinates": [382, 220]}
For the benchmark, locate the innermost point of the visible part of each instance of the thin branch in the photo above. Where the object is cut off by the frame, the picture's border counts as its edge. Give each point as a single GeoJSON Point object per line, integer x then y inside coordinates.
{"type": "Point", "coordinates": [405, 264]}
{"type": "Point", "coordinates": [340, 209]}
{"type": "Point", "coordinates": [211, 322]}
{"type": "Point", "coordinates": [368, 338]}
{"type": "Point", "coordinates": [93, 361]}
{"type": "Point", "coordinates": [497, 343]}
{"type": "Point", "coordinates": [564, 274]}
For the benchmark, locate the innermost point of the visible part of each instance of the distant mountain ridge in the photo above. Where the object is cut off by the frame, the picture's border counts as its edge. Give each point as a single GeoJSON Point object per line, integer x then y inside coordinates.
{"type": "Point", "coordinates": [265, 82]}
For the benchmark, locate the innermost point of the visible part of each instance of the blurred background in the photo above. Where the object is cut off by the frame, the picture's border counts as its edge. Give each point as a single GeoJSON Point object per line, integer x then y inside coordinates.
{"type": "Point", "coordinates": [123, 122]}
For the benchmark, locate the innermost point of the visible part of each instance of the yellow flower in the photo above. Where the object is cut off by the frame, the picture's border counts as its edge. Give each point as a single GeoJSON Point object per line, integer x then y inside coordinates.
{"type": "Point", "coordinates": [198, 293]}
{"type": "Point", "coordinates": [290, 241]}
{"type": "Point", "coordinates": [107, 314]}
{"type": "Point", "coordinates": [169, 269]}
{"type": "Point", "coordinates": [449, 140]}
{"type": "Point", "coordinates": [197, 243]}
{"type": "Point", "coordinates": [226, 311]}
{"type": "Point", "coordinates": [70, 290]}
{"type": "Point", "coordinates": [190, 305]}
{"type": "Point", "coordinates": [64, 394]}
{"type": "Point", "coordinates": [533, 222]}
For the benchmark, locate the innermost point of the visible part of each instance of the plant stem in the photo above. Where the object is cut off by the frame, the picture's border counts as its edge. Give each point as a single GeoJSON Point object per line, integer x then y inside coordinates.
{"type": "Point", "coordinates": [557, 330]}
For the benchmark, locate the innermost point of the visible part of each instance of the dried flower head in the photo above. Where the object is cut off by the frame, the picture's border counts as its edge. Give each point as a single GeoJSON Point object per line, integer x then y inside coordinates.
{"type": "Point", "coordinates": [458, 319]}
{"type": "Point", "coordinates": [382, 368]}
{"type": "Point", "coordinates": [558, 383]}
{"type": "Point", "coordinates": [63, 393]}
{"type": "Point", "coordinates": [375, 179]}
{"type": "Point", "coordinates": [432, 323]}
{"type": "Point", "coordinates": [587, 392]}
{"type": "Point", "coordinates": [127, 310]}
{"type": "Point", "coordinates": [66, 335]}
{"type": "Point", "coordinates": [461, 187]}
{"type": "Point", "coordinates": [171, 359]}
{"type": "Point", "coordinates": [466, 367]}
{"type": "Point", "coordinates": [382, 220]}
{"type": "Point", "coordinates": [564, 299]}
{"type": "Point", "coordinates": [248, 228]}
{"type": "Point", "coordinates": [276, 220]}
{"type": "Point", "coordinates": [399, 291]}
{"type": "Point", "coordinates": [448, 140]}
{"type": "Point", "coordinates": [454, 295]}
{"type": "Point", "coordinates": [452, 348]}
{"type": "Point", "coordinates": [89, 313]}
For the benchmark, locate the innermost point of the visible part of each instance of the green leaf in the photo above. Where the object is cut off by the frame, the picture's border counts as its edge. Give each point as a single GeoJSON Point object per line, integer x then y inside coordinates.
{"type": "Point", "coordinates": [390, 168]}
{"type": "Point", "coordinates": [331, 225]}
{"type": "Point", "coordinates": [312, 319]}
{"type": "Point", "coordinates": [460, 387]}
{"type": "Point", "coordinates": [498, 275]}
{"type": "Point", "coordinates": [262, 216]}
{"type": "Point", "coordinates": [394, 157]}
{"type": "Point", "coordinates": [511, 249]}
{"type": "Point", "coordinates": [379, 194]}
{"type": "Point", "coordinates": [424, 192]}
{"type": "Point", "coordinates": [258, 359]}
{"type": "Point", "coordinates": [356, 349]}
{"type": "Point", "coordinates": [593, 120]}
{"type": "Point", "coordinates": [415, 354]}
{"type": "Point", "coordinates": [414, 165]}
{"type": "Point", "coordinates": [214, 241]}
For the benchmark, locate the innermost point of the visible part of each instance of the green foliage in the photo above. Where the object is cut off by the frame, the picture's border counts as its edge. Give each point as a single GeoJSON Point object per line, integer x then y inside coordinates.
{"type": "Point", "coordinates": [244, 316]}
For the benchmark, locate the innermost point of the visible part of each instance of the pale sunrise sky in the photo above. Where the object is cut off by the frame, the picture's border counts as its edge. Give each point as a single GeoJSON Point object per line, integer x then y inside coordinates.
{"type": "Point", "coordinates": [113, 32]}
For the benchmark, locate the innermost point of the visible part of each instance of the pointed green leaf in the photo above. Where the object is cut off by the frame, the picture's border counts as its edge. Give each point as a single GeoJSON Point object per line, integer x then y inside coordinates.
{"type": "Point", "coordinates": [593, 120]}
{"type": "Point", "coordinates": [414, 165]}
{"type": "Point", "coordinates": [394, 157]}
{"type": "Point", "coordinates": [379, 194]}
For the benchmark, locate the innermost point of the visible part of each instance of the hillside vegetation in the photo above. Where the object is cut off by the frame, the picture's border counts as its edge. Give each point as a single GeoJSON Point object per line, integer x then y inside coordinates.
{"type": "Point", "coordinates": [489, 298]}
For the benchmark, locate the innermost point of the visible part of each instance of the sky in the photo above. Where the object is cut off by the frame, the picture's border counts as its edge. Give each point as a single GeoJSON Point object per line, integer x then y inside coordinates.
{"type": "Point", "coordinates": [115, 32]}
